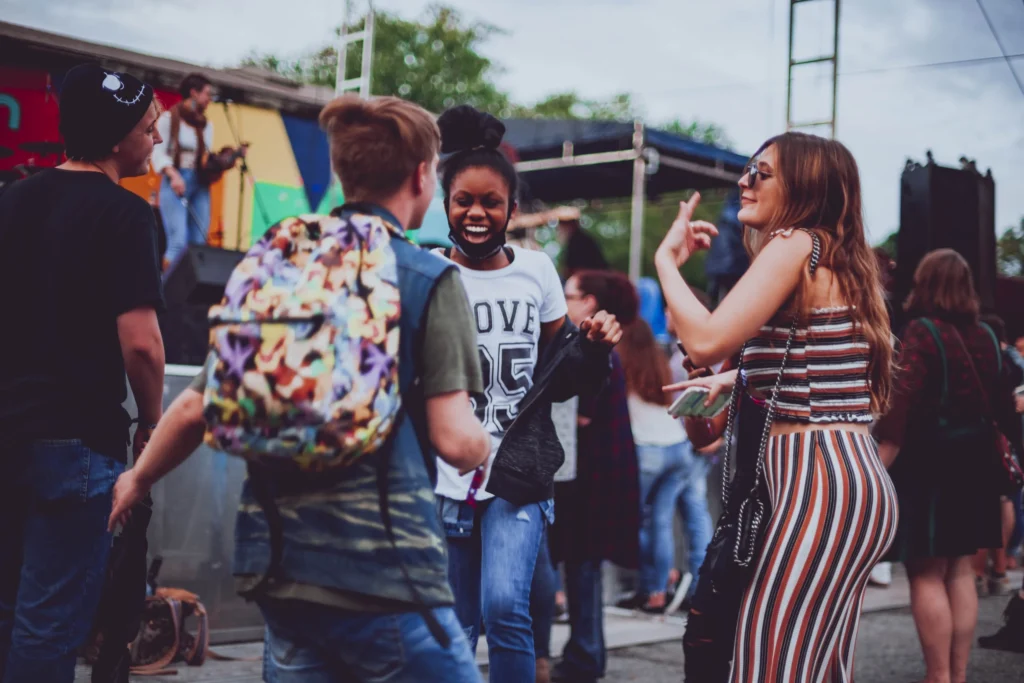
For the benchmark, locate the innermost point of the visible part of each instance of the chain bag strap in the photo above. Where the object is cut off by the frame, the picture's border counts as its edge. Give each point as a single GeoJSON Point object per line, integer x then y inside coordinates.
{"type": "Point", "coordinates": [751, 513]}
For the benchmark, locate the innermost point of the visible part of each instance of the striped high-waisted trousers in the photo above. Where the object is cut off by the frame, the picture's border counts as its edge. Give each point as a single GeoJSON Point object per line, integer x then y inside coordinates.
{"type": "Point", "coordinates": [833, 516]}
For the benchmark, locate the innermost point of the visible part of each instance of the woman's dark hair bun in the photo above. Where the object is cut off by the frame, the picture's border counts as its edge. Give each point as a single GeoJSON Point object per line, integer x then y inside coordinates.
{"type": "Point", "coordinates": [464, 127]}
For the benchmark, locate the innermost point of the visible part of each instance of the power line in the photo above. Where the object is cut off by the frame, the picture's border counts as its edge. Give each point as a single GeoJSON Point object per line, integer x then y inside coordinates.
{"type": "Point", "coordinates": [861, 72]}
{"type": "Point", "coordinates": [992, 28]}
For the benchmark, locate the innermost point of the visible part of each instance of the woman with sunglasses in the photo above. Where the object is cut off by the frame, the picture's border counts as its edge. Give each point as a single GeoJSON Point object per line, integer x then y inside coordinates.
{"type": "Point", "coordinates": [810, 323]}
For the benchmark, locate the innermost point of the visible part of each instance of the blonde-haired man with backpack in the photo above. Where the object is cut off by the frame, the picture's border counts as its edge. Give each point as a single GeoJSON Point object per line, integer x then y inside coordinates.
{"type": "Point", "coordinates": [350, 596]}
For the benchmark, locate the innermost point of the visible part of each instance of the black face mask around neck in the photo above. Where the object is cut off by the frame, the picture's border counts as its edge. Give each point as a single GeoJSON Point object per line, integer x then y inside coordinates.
{"type": "Point", "coordinates": [478, 252]}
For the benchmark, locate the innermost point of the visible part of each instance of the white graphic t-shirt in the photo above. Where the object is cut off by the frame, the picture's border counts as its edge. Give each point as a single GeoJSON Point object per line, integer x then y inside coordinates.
{"type": "Point", "coordinates": [509, 306]}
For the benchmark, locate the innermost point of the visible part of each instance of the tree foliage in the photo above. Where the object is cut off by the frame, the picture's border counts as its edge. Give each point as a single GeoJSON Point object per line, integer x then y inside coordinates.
{"type": "Point", "coordinates": [433, 61]}
{"type": "Point", "coordinates": [1010, 250]}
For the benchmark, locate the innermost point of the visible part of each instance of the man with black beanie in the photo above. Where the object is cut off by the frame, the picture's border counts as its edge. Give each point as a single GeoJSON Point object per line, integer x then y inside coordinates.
{"type": "Point", "coordinates": [78, 269]}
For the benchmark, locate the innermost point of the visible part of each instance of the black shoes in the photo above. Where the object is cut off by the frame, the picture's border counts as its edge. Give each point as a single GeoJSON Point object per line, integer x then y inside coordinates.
{"type": "Point", "coordinates": [1010, 638]}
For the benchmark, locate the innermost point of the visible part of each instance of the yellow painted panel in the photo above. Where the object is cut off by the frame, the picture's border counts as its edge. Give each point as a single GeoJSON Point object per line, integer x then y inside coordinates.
{"type": "Point", "coordinates": [270, 160]}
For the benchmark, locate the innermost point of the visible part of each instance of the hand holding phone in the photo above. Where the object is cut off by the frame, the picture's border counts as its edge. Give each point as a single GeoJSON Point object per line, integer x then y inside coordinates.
{"type": "Point", "coordinates": [692, 403]}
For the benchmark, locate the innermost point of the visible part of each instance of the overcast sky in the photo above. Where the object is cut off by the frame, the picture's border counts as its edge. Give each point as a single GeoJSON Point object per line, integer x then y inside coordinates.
{"type": "Point", "coordinates": [722, 61]}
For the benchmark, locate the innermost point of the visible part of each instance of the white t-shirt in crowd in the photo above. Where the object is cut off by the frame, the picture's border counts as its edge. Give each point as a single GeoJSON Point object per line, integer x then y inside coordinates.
{"type": "Point", "coordinates": [652, 425]}
{"type": "Point", "coordinates": [564, 417]}
{"type": "Point", "coordinates": [509, 306]}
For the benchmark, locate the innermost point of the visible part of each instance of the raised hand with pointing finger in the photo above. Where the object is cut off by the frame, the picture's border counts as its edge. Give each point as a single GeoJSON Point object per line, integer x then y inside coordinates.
{"type": "Point", "coordinates": [686, 235]}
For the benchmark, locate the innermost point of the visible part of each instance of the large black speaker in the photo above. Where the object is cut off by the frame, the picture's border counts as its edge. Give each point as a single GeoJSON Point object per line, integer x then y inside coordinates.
{"type": "Point", "coordinates": [945, 207]}
{"type": "Point", "coordinates": [194, 283]}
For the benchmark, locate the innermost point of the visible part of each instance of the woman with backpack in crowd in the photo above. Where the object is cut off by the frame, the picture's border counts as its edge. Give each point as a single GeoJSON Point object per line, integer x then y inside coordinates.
{"type": "Point", "coordinates": [530, 355]}
{"type": "Point", "coordinates": [812, 508]}
{"type": "Point", "coordinates": [940, 443]}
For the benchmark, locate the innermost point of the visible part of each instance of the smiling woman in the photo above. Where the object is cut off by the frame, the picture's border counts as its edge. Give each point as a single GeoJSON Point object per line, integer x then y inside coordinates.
{"type": "Point", "coordinates": [530, 356]}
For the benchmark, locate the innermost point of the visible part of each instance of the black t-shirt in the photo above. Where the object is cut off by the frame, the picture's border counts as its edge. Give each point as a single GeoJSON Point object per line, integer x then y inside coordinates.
{"type": "Point", "coordinates": [76, 251]}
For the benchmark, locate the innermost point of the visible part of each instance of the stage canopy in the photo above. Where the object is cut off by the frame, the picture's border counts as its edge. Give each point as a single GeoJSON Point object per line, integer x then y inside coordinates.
{"type": "Point", "coordinates": [566, 160]}
{"type": "Point", "coordinates": [563, 161]}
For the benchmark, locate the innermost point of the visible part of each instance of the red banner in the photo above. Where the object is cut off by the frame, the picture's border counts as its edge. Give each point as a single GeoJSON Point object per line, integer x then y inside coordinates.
{"type": "Point", "coordinates": [29, 116]}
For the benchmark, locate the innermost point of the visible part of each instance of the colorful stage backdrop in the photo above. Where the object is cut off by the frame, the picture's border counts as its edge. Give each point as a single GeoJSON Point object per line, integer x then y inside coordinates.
{"type": "Point", "coordinates": [289, 159]}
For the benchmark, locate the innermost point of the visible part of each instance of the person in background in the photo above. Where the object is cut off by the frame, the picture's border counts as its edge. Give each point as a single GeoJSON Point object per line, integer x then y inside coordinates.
{"type": "Point", "coordinates": [991, 578]}
{"type": "Point", "coordinates": [580, 250]}
{"type": "Point", "coordinates": [341, 607]}
{"type": "Point", "coordinates": [949, 498]}
{"type": "Point", "coordinates": [597, 515]}
{"type": "Point", "coordinates": [693, 502]}
{"type": "Point", "coordinates": [668, 466]}
{"type": "Point", "coordinates": [79, 268]}
{"type": "Point", "coordinates": [187, 139]}
{"type": "Point", "coordinates": [1010, 637]}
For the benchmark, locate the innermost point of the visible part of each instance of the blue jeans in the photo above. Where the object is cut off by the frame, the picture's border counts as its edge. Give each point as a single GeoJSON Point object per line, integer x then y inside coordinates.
{"type": "Point", "coordinates": [671, 475]}
{"type": "Point", "coordinates": [692, 503]}
{"type": "Point", "coordinates": [492, 552]}
{"type": "Point", "coordinates": [584, 657]}
{"type": "Point", "coordinates": [180, 222]}
{"type": "Point", "coordinates": [55, 499]}
{"type": "Point", "coordinates": [542, 600]}
{"type": "Point", "coordinates": [308, 643]}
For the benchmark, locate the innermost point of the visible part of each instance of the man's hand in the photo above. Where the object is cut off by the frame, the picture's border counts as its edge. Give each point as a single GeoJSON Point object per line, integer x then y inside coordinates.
{"type": "Point", "coordinates": [1019, 400]}
{"type": "Point", "coordinates": [128, 492]}
{"type": "Point", "coordinates": [602, 328]}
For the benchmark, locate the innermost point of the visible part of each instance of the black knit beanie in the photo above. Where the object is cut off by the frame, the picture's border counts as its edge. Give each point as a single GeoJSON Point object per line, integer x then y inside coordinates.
{"type": "Point", "coordinates": [98, 108]}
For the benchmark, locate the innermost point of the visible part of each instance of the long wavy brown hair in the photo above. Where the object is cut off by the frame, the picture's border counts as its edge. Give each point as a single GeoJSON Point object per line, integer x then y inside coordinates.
{"type": "Point", "coordinates": [644, 363]}
{"type": "Point", "coordinates": [821, 193]}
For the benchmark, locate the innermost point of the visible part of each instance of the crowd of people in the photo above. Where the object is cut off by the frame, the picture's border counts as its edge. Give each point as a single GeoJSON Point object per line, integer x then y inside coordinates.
{"type": "Point", "coordinates": [533, 441]}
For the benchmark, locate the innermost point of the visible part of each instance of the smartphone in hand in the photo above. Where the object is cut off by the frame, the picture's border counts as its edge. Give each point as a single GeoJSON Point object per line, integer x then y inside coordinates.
{"type": "Point", "coordinates": [691, 404]}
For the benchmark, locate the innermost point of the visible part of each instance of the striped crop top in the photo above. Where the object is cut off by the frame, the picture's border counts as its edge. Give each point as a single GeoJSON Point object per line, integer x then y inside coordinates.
{"type": "Point", "coordinates": [826, 376]}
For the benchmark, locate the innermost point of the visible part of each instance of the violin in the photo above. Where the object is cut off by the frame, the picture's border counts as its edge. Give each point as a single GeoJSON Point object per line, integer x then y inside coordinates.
{"type": "Point", "coordinates": [219, 163]}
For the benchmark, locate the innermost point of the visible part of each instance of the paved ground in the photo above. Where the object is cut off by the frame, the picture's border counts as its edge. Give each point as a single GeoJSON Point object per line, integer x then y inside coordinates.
{"type": "Point", "coordinates": [887, 653]}
{"type": "Point", "coordinates": [648, 650]}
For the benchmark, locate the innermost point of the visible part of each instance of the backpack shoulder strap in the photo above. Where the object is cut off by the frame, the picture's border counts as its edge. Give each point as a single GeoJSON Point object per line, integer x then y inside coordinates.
{"type": "Point", "coordinates": [999, 349]}
{"type": "Point", "coordinates": [930, 326]}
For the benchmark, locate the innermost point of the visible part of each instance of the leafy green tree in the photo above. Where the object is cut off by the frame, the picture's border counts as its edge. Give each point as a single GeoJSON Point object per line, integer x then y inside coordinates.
{"type": "Point", "coordinates": [708, 133]}
{"type": "Point", "coordinates": [1010, 250]}
{"type": "Point", "coordinates": [433, 61]}
{"type": "Point", "coordinates": [569, 105]}
{"type": "Point", "coordinates": [888, 245]}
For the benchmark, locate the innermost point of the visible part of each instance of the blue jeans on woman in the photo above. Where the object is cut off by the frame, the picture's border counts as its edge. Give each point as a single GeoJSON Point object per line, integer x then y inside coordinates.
{"type": "Point", "coordinates": [55, 499]}
{"type": "Point", "coordinates": [492, 552]}
{"type": "Point", "coordinates": [183, 224]}
{"type": "Point", "coordinates": [542, 599]}
{"type": "Point", "coordinates": [670, 476]}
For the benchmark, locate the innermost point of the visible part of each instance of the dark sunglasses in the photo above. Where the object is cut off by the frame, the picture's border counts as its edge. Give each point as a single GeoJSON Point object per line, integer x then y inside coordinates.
{"type": "Point", "coordinates": [753, 172]}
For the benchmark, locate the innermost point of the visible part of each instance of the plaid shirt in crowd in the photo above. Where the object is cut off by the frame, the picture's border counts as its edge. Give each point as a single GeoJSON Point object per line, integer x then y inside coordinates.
{"type": "Point", "coordinates": [597, 516]}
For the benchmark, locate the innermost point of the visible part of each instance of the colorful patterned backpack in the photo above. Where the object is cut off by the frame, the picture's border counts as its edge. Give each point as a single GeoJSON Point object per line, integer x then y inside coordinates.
{"type": "Point", "coordinates": [305, 345]}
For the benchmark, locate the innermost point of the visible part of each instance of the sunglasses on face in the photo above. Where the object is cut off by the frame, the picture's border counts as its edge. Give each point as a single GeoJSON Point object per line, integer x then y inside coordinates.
{"type": "Point", "coordinates": [753, 171]}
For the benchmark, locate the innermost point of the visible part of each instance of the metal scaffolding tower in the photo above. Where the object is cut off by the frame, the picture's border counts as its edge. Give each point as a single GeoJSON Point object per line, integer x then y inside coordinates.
{"type": "Point", "coordinates": [832, 58]}
{"type": "Point", "coordinates": [362, 82]}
